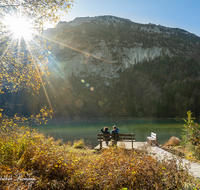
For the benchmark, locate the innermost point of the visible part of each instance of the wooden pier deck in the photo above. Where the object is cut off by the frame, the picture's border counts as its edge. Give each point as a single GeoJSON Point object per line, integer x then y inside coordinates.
{"type": "Point", "coordinates": [158, 153]}
{"type": "Point", "coordinates": [136, 145]}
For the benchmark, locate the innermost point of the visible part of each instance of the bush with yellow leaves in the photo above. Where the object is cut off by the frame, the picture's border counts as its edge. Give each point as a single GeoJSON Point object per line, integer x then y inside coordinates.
{"type": "Point", "coordinates": [34, 161]}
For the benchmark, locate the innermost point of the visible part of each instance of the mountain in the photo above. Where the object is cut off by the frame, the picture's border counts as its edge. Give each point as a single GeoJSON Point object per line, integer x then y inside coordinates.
{"type": "Point", "coordinates": [113, 67]}
{"type": "Point", "coordinates": [107, 66]}
{"type": "Point", "coordinates": [104, 45]}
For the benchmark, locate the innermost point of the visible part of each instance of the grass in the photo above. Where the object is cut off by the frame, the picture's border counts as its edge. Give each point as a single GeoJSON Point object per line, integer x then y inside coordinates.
{"type": "Point", "coordinates": [33, 161]}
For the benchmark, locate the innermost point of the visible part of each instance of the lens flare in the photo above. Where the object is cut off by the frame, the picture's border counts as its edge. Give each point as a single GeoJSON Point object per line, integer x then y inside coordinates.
{"type": "Point", "coordinates": [19, 26]}
{"type": "Point", "coordinates": [100, 103]}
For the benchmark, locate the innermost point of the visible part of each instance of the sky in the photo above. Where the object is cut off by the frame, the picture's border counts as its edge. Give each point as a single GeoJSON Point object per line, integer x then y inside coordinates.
{"type": "Point", "coordinates": [184, 14]}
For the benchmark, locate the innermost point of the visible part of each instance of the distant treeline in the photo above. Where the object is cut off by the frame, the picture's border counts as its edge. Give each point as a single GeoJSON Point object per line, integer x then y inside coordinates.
{"type": "Point", "coordinates": [163, 88]}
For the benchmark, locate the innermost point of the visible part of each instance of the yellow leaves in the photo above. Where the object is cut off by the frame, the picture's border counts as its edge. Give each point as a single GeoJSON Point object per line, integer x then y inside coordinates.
{"type": "Point", "coordinates": [45, 114]}
{"type": "Point", "coordinates": [23, 71]}
{"type": "Point", "coordinates": [42, 110]}
{"type": "Point", "coordinates": [134, 172]}
{"type": "Point", "coordinates": [23, 119]}
{"type": "Point", "coordinates": [17, 118]}
{"type": "Point", "coordinates": [37, 116]}
{"type": "Point", "coordinates": [86, 169]}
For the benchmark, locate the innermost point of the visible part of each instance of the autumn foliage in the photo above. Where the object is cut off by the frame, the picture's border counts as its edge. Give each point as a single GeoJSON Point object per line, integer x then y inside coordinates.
{"type": "Point", "coordinates": [191, 137]}
{"type": "Point", "coordinates": [24, 62]}
{"type": "Point", "coordinates": [49, 164]}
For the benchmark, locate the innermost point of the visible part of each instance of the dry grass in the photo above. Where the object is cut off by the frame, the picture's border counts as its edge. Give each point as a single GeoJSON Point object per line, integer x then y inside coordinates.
{"type": "Point", "coordinates": [26, 155]}
{"type": "Point", "coordinates": [173, 141]}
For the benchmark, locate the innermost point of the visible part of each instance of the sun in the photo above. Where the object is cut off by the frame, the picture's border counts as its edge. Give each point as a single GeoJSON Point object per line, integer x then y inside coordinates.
{"type": "Point", "coordinates": [19, 27]}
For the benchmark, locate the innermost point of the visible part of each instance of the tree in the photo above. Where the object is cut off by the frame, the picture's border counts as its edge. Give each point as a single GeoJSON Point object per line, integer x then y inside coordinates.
{"type": "Point", "coordinates": [24, 53]}
{"type": "Point", "coordinates": [40, 11]}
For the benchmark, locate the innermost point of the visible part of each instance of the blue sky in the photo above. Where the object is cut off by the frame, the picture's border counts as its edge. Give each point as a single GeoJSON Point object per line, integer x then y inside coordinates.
{"type": "Point", "coordinates": [184, 14]}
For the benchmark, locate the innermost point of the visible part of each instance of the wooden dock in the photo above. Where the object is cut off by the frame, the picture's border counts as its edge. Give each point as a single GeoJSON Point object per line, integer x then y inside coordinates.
{"type": "Point", "coordinates": [127, 145]}
{"type": "Point", "coordinates": [158, 153]}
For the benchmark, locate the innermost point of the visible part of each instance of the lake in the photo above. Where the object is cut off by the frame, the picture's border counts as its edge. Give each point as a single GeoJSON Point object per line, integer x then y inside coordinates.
{"type": "Point", "coordinates": [70, 130]}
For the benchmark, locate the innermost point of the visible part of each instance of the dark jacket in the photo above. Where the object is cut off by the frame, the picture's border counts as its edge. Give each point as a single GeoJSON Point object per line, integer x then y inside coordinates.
{"type": "Point", "coordinates": [105, 132]}
{"type": "Point", "coordinates": [106, 138]}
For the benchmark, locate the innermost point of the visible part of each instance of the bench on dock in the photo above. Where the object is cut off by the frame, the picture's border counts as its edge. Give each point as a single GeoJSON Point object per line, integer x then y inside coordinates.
{"type": "Point", "coordinates": [116, 137]}
{"type": "Point", "coordinates": [152, 140]}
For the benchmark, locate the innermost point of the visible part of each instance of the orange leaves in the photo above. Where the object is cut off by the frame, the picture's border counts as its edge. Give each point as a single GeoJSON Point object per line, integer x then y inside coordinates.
{"type": "Point", "coordinates": [114, 168]}
{"type": "Point", "coordinates": [2, 92]}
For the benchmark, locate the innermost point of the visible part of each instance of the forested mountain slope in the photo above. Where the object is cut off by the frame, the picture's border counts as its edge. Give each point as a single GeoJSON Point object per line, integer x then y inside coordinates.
{"type": "Point", "coordinates": [112, 67]}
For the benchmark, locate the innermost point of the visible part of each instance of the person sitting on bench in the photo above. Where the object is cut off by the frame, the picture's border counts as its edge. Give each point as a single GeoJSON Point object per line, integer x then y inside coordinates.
{"type": "Point", "coordinates": [115, 131]}
{"type": "Point", "coordinates": [105, 131]}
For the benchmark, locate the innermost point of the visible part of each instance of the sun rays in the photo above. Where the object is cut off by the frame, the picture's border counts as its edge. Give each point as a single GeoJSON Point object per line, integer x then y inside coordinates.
{"type": "Point", "coordinates": [27, 55]}
{"type": "Point", "coordinates": [26, 58]}
{"type": "Point", "coordinates": [19, 27]}
{"type": "Point", "coordinates": [80, 51]}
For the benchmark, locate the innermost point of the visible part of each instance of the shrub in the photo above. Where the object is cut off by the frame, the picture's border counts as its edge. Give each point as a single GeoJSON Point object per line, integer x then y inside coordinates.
{"type": "Point", "coordinates": [173, 141]}
{"type": "Point", "coordinates": [191, 136]}
{"type": "Point", "coordinates": [79, 144]}
{"type": "Point", "coordinates": [53, 165]}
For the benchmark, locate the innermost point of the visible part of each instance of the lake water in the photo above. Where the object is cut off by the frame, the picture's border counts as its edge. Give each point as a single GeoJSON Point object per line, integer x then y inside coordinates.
{"type": "Point", "coordinates": [88, 130]}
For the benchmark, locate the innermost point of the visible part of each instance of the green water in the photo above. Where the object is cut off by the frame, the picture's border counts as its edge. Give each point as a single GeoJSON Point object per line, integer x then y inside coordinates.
{"type": "Point", "coordinates": [88, 130]}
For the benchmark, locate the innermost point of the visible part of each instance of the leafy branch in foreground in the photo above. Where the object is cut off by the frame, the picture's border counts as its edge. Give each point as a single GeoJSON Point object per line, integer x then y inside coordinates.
{"type": "Point", "coordinates": [42, 11]}
{"type": "Point", "coordinates": [24, 58]}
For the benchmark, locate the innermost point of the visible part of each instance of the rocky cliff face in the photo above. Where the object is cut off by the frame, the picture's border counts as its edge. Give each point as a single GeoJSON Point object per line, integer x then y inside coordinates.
{"type": "Point", "coordinates": [105, 45]}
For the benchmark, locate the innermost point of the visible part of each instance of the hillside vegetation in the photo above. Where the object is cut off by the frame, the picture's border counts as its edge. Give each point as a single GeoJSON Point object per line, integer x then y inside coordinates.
{"type": "Point", "coordinates": [163, 88]}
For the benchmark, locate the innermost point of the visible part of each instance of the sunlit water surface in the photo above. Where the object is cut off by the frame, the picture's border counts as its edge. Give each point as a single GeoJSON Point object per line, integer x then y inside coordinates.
{"type": "Point", "coordinates": [88, 130]}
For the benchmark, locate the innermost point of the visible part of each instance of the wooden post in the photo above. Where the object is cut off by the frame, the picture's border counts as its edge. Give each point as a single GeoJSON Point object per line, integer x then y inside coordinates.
{"type": "Point", "coordinates": [132, 142]}
{"type": "Point", "coordinates": [100, 142]}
